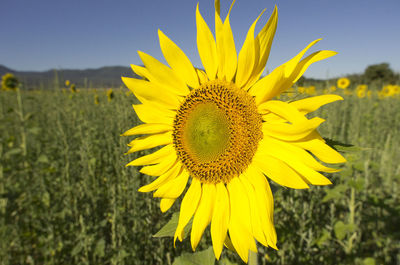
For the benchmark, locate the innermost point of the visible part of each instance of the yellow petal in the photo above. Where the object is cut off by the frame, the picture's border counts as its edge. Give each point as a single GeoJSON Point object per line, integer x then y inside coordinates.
{"type": "Point", "coordinates": [292, 132]}
{"type": "Point", "coordinates": [306, 62]}
{"type": "Point", "coordinates": [311, 104]}
{"type": "Point", "coordinates": [321, 150]}
{"type": "Point", "coordinates": [269, 86]}
{"type": "Point", "coordinates": [174, 187]}
{"type": "Point", "coordinates": [149, 128]}
{"type": "Point", "coordinates": [219, 38]}
{"type": "Point", "coordinates": [188, 207]}
{"type": "Point", "coordinates": [230, 58]}
{"type": "Point", "coordinates": [264, 41]}
{"type": "Point", "coordinates": [170, 173]}
{"type": "Point", "coordinates": [264, 203]}
{"type": "Point", "coordinates": [247, 59]}
{"type": "Point", "coordinates": [282, 109]}
{"type": "Point", "coordinates": [220, 219]}
{"type": "Point", "coordinates": [166, 203]}
{"type": "Point", "coordinates": [225, 46]}
{"type": "Point", "coordinates": [150, 141]}
{"type": "Point", "coordinates": [141, 71]}
{"type": "Point", "coordinates": [154, 158]}
{"type": "Point", "coordinates": [178, 61]}
{"type": "Point", "coordinates": [255, 214]}
{"type": "Point", "coordinates": [149, 91]}
{"type": "Point", "coordinates": [279, 172]}
{"type": "Point", "coordinates": [162, 167]}
{"type": "Point", "coordinates": [295, 151]}
{"type": "Point", "coordinates": [292, 63]}
{"type": "Point", "coordinates": [206, 46]}
{"type": "Point", "coordinates": [163, 75]}
{"type": "Point", "coordinates": [240, 230]}
{"type": "Point", "coordinates": [276, 150]}
{"type": "Point", "coordinates": [149, 113]}
{"type": "Point", "coordinates": [202, 76]}
{"type": "Point", "coordinates": [203, 214]}
{"type": "Point", "coordinates": [280, 79]}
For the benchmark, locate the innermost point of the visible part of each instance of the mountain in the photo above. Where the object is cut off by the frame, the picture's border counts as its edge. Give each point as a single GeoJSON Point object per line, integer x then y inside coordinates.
{"type": "Point", "coordinates": [104, 77]}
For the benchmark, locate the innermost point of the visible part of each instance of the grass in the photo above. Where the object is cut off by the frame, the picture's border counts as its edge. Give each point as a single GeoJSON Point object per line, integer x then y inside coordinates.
{"type": "Point", "coordinates": [67, 198]}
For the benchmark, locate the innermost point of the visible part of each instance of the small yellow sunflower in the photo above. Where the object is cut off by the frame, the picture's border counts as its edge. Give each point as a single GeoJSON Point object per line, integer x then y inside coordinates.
{"type": "Point", "coordinates": [72, 88]}
{"type": "Point", "coordinates": [223, 133]}
{"type": "Point", "coordinates": [110, 95]}
{"type": "Point", "coordinates": [67, 83]}
{"type": "Point", "coordinates": [96, 99]}
{"type": "Point", "coordinates": [9, 82]}
{"type": "Point", "coordinates": [343, 83]}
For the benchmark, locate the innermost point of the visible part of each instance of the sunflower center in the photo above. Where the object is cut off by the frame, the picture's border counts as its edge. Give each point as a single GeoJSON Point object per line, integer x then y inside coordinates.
{"type": "Point", "coordinates": [216, 131]}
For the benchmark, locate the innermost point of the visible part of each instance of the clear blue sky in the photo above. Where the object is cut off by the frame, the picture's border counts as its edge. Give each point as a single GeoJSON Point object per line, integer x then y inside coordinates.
{"type": "Point", "coordinates": [44, 34]}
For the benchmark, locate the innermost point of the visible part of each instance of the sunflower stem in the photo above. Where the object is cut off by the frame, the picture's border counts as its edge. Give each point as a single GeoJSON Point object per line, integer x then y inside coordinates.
{"type": "Point", "coordinates": [22, 120]}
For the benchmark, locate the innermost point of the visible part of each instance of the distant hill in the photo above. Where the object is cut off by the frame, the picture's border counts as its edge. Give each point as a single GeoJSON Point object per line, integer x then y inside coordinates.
{"type": "Point", "coordinates": [104, 77]}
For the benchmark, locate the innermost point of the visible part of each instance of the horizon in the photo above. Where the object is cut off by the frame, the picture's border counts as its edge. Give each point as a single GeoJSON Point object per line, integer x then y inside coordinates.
{"type": "Point", "coordinates": [90, 35]}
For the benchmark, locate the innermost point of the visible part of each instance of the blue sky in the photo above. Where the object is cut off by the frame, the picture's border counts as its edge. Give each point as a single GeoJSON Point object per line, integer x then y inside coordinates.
{"type": "Point", "coordinates": [76, 34]}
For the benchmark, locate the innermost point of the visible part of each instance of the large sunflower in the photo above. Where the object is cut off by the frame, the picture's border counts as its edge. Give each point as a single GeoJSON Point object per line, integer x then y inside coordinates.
{"type": "Point", "coordinates": [223, 133]}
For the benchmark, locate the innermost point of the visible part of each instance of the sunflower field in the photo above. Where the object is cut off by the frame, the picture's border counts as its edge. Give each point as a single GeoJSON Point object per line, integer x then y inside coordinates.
{"type": "Point", "coordinates": [66, 196]}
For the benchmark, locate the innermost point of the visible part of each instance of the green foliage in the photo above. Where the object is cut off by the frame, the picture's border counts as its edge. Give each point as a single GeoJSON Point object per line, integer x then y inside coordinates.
{"type": "Point", "coordinates": [66, 196]}
{"type": "Point", "coordinates": [379, 73]}
{"type": "Point", "coordinates": [205, 257]}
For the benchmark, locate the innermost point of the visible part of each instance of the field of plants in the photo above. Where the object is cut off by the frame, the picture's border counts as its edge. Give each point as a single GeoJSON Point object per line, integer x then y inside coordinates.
{"type": "Point", "coordinates": [66, 196]}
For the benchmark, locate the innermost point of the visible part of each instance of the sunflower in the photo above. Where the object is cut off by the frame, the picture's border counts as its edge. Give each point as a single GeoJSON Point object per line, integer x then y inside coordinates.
{"type": "Point", "coordinates": [222, 133]}
{"type": "Point", "coordinates": [110, 95]}
{"type": "Point", "coordinates": [343, 83]}
{"type": "Point", "coordinates": [9, 82]}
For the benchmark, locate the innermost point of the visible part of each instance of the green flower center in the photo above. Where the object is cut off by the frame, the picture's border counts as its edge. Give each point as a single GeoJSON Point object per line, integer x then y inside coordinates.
{"type": "Point", "coordinates": [206, 131]}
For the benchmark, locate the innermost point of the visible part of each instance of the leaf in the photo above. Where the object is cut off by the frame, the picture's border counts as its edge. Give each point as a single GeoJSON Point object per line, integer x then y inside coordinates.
{"type": "Point", "coordinates": [323, 238]}
{"type": "Point", "coordinates": [46, 199]}
{"type": "Point", "coordinates": [205, 257]}
{"type": "Point", "coordinates": [34, 130]}
{"type": "Point", "coordinates": [43, 159]}
{"type": "Point", "coordinates": [77, 249]}
{"type": "Point", "coordinates": [226, 261]}
{"type": "Point", "coordinates": [341, 229]}
{"type": "Point", "coordinates": [169, 228]}
{"type": "Point", "coordinates": [100, 246]}
{"type": "Point", "coordinates": [28, 116]}
{"type": "Point", "coordinates": [11, 152]}
{"type": "Point", "coordinates": [369, 261]}
{"type": "Point", "coordinates": [357, 184]}
{"type": "Point", "coordinates": [335, 193]}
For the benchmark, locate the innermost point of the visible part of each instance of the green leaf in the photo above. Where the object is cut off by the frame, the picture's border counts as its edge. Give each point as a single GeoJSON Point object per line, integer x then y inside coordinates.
{"type": "Point", "coordinates": [205, 257]}
{"type": "Point", "coordinates": [11, 152]}
{"type": "Point", "coordinates": [323, 238]}
{"type": "Point", "coordinates": [357, 184]}
{"type": "Point", "coordinates": [34, 130]}
{"type": "Point", "coordinates": [77, 249]}
{"type": "Point", "coordinates": [46, 199]}
{"type": "Point", "coordinates": [341, 229]}
{"type": "Point", "coordinates": [369, 261]}
{"type": "Point", "coordinates": [335, 193]}
{"type": "Point", "coordinates": [169, 228]}
{"type": "Point", "coordinates": [100, 246]}
{"type": "Point", "coordinates": [226, 261]}
{"type": "Point", "coordinates": [43, 159]}
{"type": "Point", "coordinates": [28, 116]}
